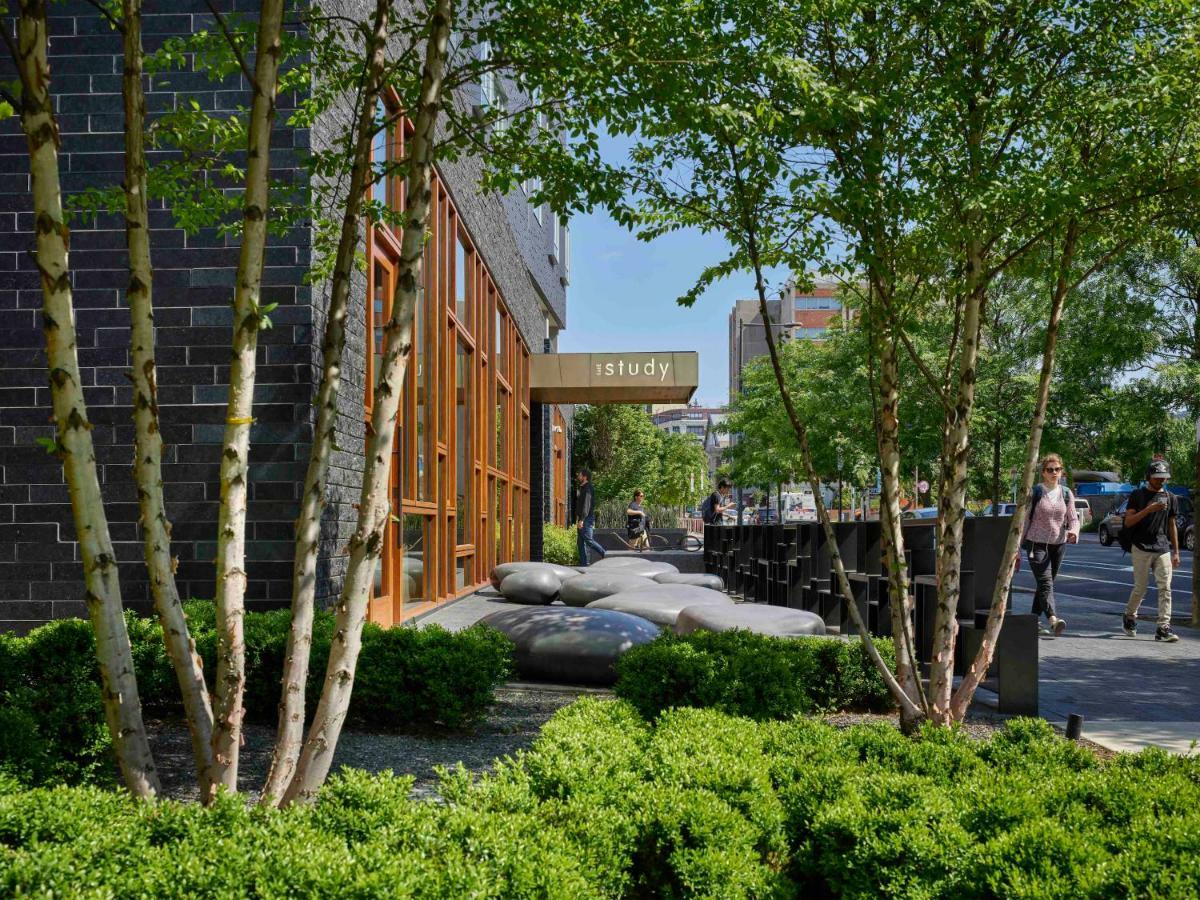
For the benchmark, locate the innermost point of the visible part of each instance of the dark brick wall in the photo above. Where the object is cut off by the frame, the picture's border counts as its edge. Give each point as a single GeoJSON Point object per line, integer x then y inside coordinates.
{"type": "Point", "coordinates": [40, 572]}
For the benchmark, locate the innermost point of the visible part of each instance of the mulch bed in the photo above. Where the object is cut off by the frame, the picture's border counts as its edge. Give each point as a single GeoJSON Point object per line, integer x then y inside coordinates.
{"type": "Point", "coordinates": [512, 725]}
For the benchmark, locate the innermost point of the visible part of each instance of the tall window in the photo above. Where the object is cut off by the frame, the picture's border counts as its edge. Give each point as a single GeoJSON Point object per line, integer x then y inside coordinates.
{"type": "Point", "coordinates": [464, 451]}
{"type": "Point", "coordinates": [462, 284]}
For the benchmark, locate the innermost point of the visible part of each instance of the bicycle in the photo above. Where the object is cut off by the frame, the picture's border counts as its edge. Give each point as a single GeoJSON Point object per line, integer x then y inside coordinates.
{"type": "Point", "coordinates": [689, 542]}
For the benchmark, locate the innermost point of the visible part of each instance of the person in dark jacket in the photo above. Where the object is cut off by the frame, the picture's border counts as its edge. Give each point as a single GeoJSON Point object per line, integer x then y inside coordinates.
{"type": "Point", "coordinates": [585, 517]}
{"type": "Point", "coordinates": [1150, 518]}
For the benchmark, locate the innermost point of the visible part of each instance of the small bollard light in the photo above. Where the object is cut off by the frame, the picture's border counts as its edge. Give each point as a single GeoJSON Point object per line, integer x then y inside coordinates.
{"type": "Point", "coordinates": [1074, 726]}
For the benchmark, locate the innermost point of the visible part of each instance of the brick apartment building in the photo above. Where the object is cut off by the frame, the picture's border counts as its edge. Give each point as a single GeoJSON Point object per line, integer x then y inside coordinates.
{"type": "Point", "coordinates": [480, 466]}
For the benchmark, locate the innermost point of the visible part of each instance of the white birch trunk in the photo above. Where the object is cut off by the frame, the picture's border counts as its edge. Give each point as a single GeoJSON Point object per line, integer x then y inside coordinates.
{"type": "Point", "coordinates": [900, 602]}
{"type": "Point", "coordinates": [235, 455]}
{"type": "Point", "coordinates": [290, 735]}
{"type": "Point", "coordinates": [367, 541]}
{"type": "Point", "coordinates": [122, 707]}
{"type": "Point", "coordinates": [147, 462]}
{"type": "Point", "coordinates": [976, 672]}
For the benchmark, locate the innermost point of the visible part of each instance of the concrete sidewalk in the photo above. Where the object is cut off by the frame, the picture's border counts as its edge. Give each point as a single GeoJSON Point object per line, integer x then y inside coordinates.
{"type": "Point", "coordinates": [1132, 692]}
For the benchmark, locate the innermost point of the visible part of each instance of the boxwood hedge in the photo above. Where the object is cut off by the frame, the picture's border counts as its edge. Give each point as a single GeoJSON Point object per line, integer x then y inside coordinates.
{"type": "Point", "coordinates": [52, 726]}
{"type": "Point", "coordinates": [697, 804]}
{"type": "Point", "coordinates": [752, 675]}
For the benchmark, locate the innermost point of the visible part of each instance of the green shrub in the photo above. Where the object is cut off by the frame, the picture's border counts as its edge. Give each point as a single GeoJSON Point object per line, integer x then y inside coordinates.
{"type": "Point", "coordinates": [751, 675]}
{"type": "Point", "coordinates": [700, 804]}
{"type": "Point", "coordinates": [560, 545]}
{"type": "Point", "coordinates": [52, 726]}
{"type": "Point", "coordinates": [54, 714]}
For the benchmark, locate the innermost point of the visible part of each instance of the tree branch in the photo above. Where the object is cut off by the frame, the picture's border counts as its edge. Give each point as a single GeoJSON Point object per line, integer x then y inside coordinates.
{"type": "Point", "coordinates": [229, 39]}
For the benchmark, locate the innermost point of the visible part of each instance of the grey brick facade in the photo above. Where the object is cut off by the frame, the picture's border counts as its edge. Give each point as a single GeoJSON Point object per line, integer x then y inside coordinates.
{"type": "Point", "coordinates": [40, 572]}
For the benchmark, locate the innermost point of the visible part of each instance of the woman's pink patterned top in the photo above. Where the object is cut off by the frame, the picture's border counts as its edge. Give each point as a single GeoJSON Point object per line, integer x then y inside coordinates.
{"type": "Point", "coordinates": [1053, 519]}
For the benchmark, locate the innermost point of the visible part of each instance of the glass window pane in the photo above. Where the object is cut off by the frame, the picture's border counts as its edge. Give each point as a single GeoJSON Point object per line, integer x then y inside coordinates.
{"type": "Point", "coordinates": [462, 285]}
{"type": "Point", "coordinates": [412, 577]}
{"type": "Point", "coordinates": [379, 314]}
{"type": "Point", "coordinates": [462, 572]}
{"type": "Point", "coordinates": [420, 352]}
{"type": "Point", "coordinates": [463, 468]}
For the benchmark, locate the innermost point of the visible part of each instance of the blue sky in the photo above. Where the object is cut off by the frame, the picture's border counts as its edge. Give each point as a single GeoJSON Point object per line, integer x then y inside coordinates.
{"type": "Point", "coordinates": [622, 297]}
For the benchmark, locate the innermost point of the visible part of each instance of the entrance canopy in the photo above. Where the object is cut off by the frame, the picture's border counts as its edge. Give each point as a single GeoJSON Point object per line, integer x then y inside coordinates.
{"type": "Point", "coordinates": [669, 377]}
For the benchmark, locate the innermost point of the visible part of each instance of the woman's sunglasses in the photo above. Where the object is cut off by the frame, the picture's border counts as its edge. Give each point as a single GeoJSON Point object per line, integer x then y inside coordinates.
{"type": "Point", "coordinates": [1053, 469]}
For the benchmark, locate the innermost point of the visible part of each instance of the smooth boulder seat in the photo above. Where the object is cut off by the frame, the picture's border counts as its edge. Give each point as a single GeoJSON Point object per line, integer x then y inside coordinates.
{"type": "Point", "coordinates": [611, 562]}
{"type": "Point", "coordinates": [697, 579]}
{"type": "Point", "coordinates": [502, 571]}
{"type": "Point", "coordinates": [775, 621]}
{"type": "Point", "coordinates": [644, 567]}
{"type": "Point", "coordinates": [536, 586]}
{"type": "Point", "coordinates": [661, 603]}
{"type": "Point", "coordinates": [570, 646]}
{"type": "Point", "coordinates": [583, 589]}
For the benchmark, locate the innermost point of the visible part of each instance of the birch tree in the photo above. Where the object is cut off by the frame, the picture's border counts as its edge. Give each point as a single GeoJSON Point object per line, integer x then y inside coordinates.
{"type": "Point", "coordinates": [73, 441]}
{"type": "Point", "coordinates": [148, 444]}
{"type": "Point", "coordinates": [366, 544]}
{"type": "Point", "coordinates": [289, 736]}
{"type": "Point", "coordinates": [248, 318]}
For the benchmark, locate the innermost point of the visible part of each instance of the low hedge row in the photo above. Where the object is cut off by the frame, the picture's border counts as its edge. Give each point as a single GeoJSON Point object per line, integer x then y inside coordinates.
{"type": "Point", "coordinates": [560, 545]}
{"type": "Point", "coordinates": [52, 726]}
{"type": "Point", "coordinates": [698, 804]}
{"type": "Point", "coordinates": [751, 675]}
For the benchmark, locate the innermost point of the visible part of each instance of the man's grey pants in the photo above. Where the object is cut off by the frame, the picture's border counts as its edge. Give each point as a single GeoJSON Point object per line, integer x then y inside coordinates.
{"type": "Point", "coordinates": [1143, 563]}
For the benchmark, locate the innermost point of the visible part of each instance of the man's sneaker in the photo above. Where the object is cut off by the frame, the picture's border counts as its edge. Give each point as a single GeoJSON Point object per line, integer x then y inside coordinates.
{"type": "Point", "coordinates": [1129, 625]}
{"type": "Point", "coordinates": [1057, 625]}
{"type": "Point", "coordinates": [1166, 635]}
{"type": "Point", "coordinates": [1044, 630]}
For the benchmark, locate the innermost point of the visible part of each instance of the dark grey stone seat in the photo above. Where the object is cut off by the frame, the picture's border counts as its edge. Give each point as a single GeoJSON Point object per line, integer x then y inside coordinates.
{"type": "Point", "coordinates": [583, 589]}
{"type": "Point", "coordinates": [698, 579]}
{"type": "Point", "coordinates": [538, 586]}
{"type": "Point", "coordinates": [633, 566]}
{"type": "Point", "coordinates": [570, 646]}
{"type": "Point", "coordinates": [776, 621]}
{"type": "Point", "coordinates": [661, 603]}
{"type": "Point", "coordinates": [500, 572]}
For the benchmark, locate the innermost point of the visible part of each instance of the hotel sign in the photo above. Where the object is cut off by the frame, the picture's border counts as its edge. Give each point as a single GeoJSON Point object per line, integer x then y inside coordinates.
{"type": "Point", "coordinates": [663, 377]}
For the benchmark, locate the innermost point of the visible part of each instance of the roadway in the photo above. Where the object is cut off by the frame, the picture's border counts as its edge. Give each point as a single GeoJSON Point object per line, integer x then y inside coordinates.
{"type": "Point", "coordinates": [1103, 577]}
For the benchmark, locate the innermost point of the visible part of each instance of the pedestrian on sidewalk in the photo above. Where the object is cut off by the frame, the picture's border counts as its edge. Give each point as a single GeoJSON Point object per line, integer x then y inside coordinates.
{"type": "Point", "coordinates": [585, 517]}
{"type": "Point", "coordinates": [637, 524]}
{"type": "Point", "coordinates": [1150, 519]}
{"type": "Point", "coordinates": [1052, 524]}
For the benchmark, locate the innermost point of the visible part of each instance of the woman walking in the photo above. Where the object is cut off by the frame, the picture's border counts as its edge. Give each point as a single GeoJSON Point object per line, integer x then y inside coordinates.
{"type": "Point", "coordinates": [1052, 524]}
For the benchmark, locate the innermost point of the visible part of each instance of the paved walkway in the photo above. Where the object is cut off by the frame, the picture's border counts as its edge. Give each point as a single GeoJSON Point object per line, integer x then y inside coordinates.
{"type": "Point", "coordinates": [1132, 692]}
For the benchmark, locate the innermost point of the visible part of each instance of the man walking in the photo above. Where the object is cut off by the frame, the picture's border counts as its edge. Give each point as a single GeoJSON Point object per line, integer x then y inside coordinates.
{"type": "Point", "coordinates": [585, 517]}
{"type": "Point", "coordinates": [718, 501]}
{"type": "Point", "coordinates": [1150, 521]}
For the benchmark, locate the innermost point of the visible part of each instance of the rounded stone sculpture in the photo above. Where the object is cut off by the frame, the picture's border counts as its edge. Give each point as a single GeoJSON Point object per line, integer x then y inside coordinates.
{"type": "Point", "coordinates": [776, 621]}
{"type": "Point", "coordinates": [661, 603]}
{"type": "Point", "coordinates": [570, 646]}
{"type": "Point", "coordinates": [583, 589]}
{"type": "Point", "coordinates": [502, 571]}
{"type": "Point", "coordinates": [536, 586]}
{"type": "Point", "coordinates": [611, 561]}
{"type": "Point", "coordinates": [697, 579]}
{"type": "Point", "coordinates": [631, 565]}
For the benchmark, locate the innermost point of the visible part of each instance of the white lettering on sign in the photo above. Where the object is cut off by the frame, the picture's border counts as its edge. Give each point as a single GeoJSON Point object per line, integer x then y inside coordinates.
{"type": "Point", "coordinates": [621, 368]}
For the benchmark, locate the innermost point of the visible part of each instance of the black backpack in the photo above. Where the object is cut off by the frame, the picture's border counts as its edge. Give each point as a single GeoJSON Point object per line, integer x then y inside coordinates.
{"type": "Point", "coordinates": [708, 510]}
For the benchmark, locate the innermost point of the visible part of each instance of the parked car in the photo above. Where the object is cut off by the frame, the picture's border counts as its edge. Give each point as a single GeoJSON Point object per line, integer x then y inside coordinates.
{"type": "Point", "coordinates": [1111, 524]}
{"type": "Point", "coordinates": [1006, 509]}
{"type": "Point", "coordinates": [925, 512]}
{"type": "Point", "coordinates": [1083, 509]}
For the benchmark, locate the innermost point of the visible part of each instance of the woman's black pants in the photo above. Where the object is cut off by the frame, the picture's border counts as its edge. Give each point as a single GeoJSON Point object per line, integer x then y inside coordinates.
{"type": "Point", "coordinates": [1044, 560]}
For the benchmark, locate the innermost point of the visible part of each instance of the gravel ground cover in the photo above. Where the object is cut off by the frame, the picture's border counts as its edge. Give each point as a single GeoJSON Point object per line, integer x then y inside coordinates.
{"type": "Point", "coordinates": [512, 725]}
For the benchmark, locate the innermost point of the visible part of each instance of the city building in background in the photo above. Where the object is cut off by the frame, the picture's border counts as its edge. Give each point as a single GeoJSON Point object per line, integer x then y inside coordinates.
{"type": "Point", "coordinates": [798, 313]}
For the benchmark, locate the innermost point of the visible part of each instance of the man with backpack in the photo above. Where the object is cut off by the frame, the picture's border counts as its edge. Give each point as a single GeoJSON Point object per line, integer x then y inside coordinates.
{"type": "Point", "coordinates": [1149, 529]}
{"type": "Point", "coordinates": [716, 504]}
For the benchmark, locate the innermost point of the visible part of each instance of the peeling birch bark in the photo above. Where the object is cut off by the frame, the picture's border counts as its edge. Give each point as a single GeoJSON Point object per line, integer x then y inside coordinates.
{"type": "Point", "coordinates": [147, 462]}
{"type": "Point", "coordinates": [366, 544]}
{"type": "Point", "coordinates": [290, 735]}
{"type": "Point", "coordinates": [887, 432]}
{"type": "Point", "coordinates": [976, 672]}
{"type": "Point", "coordinates": [235, 456]}
{"type": "Point", "coordinates": [73, 438]}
